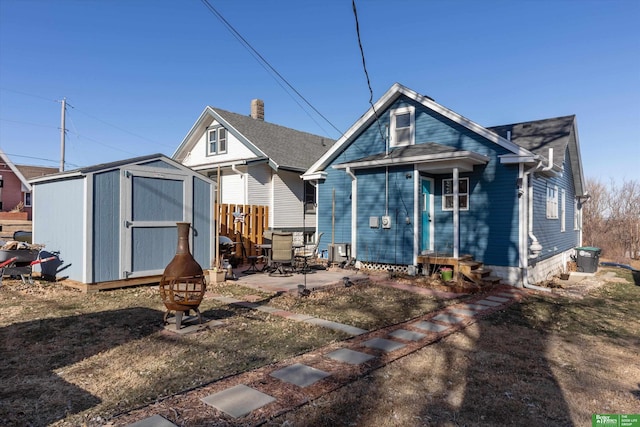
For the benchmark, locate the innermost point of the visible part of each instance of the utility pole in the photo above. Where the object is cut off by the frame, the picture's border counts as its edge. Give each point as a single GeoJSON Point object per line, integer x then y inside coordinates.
{"type": "Point", "coordinates": [63, 132]}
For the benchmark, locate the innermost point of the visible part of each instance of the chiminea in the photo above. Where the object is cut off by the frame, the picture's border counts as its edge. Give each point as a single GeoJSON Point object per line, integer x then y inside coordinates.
{"type": "Point", "coordinates": [183, 283]}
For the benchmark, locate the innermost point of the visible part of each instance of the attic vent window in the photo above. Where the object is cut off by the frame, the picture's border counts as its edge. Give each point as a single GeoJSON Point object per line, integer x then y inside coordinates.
{"type": "Point", "coordinates": [217, 141]}
{"type": "Point", "coordinates": [402, 127]}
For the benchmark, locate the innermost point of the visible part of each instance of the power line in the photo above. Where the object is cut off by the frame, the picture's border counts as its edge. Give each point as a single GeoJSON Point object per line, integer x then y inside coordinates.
{"type": "Point", "coordinates": [264, 62]}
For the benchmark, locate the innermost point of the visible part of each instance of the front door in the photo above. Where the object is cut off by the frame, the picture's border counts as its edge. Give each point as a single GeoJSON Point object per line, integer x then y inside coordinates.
{"type": "Point", "coordinates": [426, 212]}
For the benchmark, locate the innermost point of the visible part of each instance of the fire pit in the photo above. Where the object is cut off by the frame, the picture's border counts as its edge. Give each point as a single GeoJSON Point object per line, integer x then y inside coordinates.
{"type": "Point", "coordinates": [183, 285]}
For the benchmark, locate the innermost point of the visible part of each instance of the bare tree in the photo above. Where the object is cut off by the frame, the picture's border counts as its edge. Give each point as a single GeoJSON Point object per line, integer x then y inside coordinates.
{"type": "Point", "coordinates": [611, 218]}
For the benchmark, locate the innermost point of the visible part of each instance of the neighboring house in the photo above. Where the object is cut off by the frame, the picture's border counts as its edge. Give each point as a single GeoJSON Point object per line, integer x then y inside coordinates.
{"type": "Point", "coordinates": [413, 183]}
{"type": "Point", "coordinates": [260, 163]}
{"type": "Point", "coordinates": [14, 184]}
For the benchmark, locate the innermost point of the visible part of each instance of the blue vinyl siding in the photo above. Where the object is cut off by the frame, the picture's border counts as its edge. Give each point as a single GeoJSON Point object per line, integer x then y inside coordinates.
{"type": "Point", "coordinates": [379, 245]}
{"type": "Point", "coordinates": [202, 212]}
{"type": "Point", "coordinates": [488, 230]}
{"type": "Point", "coordinates": [106, 226]}
{"type": "Point", "coordinates": [547, 231]}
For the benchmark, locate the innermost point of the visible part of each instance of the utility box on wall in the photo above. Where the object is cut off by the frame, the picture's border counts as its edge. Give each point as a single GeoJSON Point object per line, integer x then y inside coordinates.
{"type": "Point", "coordinates": [339, 252]}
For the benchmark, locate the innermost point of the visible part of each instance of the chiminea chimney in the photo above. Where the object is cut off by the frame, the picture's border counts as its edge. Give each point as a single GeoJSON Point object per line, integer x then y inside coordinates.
{"type": "Point", "coordinates": [257, 109]}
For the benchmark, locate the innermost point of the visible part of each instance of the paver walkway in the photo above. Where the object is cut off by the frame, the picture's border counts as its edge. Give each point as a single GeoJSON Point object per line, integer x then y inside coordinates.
{"type": "Point", "coordinates": [303, 378]}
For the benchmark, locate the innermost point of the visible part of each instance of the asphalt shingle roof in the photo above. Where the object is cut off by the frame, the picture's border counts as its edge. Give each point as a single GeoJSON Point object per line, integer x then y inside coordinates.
{"type": "Point", "coordinates": [289, 148]}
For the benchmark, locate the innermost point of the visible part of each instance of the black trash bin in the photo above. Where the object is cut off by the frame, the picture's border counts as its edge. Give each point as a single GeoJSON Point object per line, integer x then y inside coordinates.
{"type": "Point", "coordinates": [587, 259]}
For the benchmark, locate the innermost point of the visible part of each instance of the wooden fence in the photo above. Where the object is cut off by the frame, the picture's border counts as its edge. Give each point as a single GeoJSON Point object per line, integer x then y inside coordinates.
{"type": "Point", "coordinates": [244, 223]}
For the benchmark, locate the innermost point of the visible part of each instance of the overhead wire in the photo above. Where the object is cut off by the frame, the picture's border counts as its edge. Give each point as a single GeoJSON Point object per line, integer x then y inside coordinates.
{"type": "Point", "coordinates": [267, 65]}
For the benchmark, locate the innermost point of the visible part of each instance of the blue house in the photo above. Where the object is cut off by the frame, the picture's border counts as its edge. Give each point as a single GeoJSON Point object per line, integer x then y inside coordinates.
{"type": "Point", "coordinates": [412, 185]}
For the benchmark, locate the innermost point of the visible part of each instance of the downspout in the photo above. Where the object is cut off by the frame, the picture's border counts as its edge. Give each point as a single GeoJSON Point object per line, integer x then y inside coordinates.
{"type": "Point", "coordinates": [245, 198]}
{"type": "Point", "coordinates": [354, 210]}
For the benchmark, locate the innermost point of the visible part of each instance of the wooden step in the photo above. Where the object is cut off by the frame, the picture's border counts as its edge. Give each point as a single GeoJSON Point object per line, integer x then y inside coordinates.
{"type": "Point", "coordinates": [481, 273]}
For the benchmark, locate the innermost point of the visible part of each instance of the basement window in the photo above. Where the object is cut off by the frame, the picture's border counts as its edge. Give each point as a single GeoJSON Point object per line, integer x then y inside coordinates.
{"type": "Point", "coordinates": [463, 194]}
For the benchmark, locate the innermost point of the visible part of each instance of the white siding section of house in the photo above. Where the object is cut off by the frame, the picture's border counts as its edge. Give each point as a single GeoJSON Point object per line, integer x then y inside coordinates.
{"type": "Point", "coordinates": [288, 189]}
{"type": "Point", "coordinates": [259, 185]}
{"type": "Point", "coordinates": [235, 151]}
{"type": "Point", "coordinates": [233, 188]}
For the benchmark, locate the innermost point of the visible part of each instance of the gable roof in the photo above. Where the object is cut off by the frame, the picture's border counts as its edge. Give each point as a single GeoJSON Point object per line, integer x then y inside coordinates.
{"type": "Point", "coordinates": [395, 92]}
{"type": "Point", "coordinates": [30, 172]}
{"type": "Point", "coordinates": [286, 148]}
{"type": "Point", "coordinates": [25, 183]}
{"type": "Point", "coordinates": [539, 136]}
{"type": "Point", "coordinates": [102, 167]}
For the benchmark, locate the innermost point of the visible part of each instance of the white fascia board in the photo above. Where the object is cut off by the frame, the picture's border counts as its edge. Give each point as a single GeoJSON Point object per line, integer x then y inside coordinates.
{"type": "Point", "coordinates": [510, 159]}
{"type": "Point", "coordinates": [469, 156]}
{"type": "Point", "coordinates": [314, 176]}
{"type": "Point", "coordinates": [25, 183]}
{"type": "Point", "coordinates": [182, 148]}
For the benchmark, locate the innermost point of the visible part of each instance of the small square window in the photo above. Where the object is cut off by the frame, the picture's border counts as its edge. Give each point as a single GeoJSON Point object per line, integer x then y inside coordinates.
{"type": "Point", "coordinates": [463, 194]}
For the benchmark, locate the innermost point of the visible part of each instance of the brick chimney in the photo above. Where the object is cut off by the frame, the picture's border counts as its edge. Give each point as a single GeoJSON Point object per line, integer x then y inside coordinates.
{"type": "Point", "coordinates": [257, 109]}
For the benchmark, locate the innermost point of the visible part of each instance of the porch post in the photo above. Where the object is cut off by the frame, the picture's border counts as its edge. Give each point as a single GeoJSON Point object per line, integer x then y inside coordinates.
{"type": "Point", "coordinates": [456, 214]}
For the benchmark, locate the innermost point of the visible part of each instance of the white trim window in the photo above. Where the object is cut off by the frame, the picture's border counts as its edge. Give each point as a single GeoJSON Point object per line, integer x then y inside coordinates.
{"type": "Point", "coordinates": [576, 214]}
{"type": "Point", "coordinates": [463, 194]}
{"type": "Point", "coordinates": [403, 123]}
{"type": "Point", "coordinates": [216, 141]}
{"type": "Point", "coordinates": [27, 200]}
{"type": "Point", "coordinates": [552, 202]}
{"type": "Point", "coordinates": [563, 211]}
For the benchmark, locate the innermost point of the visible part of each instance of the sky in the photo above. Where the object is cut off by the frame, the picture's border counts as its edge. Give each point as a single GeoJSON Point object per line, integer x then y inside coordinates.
{"type": "Point", "coordinates": [137, 74]}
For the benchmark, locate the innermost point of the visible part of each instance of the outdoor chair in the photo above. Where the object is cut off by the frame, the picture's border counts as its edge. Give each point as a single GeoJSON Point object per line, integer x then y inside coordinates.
{"type": "Point", "coordinates": [282, 258]}
{"type": "Point", "coordinates": [308, 255]}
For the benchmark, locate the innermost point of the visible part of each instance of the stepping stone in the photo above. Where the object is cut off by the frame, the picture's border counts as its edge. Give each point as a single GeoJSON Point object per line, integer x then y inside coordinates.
{"type": "Point", "coordinates": [383, 344]}
{"type": "Point", "coordinates": [448, 318]}
{"type": "Point", "coordinates": [299, 317]}
{"type": "Point", "coordinates": [300, 375]}
{"type": "Point", "coordinates": [245, 304]}
{"type": "Point", "coordinates": [403, 334]}
{"type": "Point", "coordinates": [350, 356]}
{"type": "Point", "coordinates": [238, 401]}
{"type": "Point", "coordinates": [429, 326]}
{"type": "Point", "coordinates": [462, 311]}
{"type": "Point", "coordinates": [228, 300]}
{"type": "Point", "coordinates": [489, 303]}
{"type": "Point", "coordinates": [506, 294]}
{"type": "Point", "coordinates": [267, 309]}
{"type": "Point", "coordinates": [476, 307]}
{"type": "Point", "coordinates": [351, 330]}
{"type": "Point", "coordinates": [190, 325]}
{"type": "Point", "coordinates": [497, 299]}
{"type": "Point", "coordinates": [154, 421]}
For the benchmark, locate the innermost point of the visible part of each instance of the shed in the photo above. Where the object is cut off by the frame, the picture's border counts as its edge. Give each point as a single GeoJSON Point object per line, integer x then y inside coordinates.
{"type": "Point", "coordinates": [114, 224]}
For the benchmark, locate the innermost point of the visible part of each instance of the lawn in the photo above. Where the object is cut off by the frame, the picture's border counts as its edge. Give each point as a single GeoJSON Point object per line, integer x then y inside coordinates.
{"type": "Point", "coordinates": [73, 358]}
{"type": "Point", "coordinates": [70, 358]}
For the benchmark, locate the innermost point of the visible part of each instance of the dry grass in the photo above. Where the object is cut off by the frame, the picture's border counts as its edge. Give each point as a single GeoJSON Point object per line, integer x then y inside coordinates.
{"type": "Point", "coordinates": [72, 357]}
{"type": "Point", "coordinates": [547, 361]}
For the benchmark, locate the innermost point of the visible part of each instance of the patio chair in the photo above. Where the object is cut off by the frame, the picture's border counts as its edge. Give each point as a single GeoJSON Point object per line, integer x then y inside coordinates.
{"type": "Point", "coordinates": [308, 255]}
{"type": "Point", "coordinates": [281, 254]}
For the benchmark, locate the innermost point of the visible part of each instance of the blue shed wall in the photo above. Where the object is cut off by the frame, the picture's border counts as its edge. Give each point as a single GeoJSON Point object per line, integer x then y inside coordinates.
{"type": "Point", "coordinates": [106, 226]}
{"type": "Point", "coordinates": [202, 214]}
{"type": "Point", "coordinates": [58, 224]}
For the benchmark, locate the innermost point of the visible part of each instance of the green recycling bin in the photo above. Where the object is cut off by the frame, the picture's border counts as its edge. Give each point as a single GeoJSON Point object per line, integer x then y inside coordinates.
{"type": "Point", "coordinates": [587, 259]}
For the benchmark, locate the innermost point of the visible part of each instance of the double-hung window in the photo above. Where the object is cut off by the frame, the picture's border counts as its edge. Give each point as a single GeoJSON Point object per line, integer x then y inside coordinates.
{"type": "Point", "coordinates": [563, 212]}
{"type": "Point", "coordinates": [216, 141]}
{"type": "Point", "coordinates": [402, 130]}
{"type": "Point", "coordinates": [576, 214]}
{"type": "Point", "coordinates": [552, 202]}
{"type": "Point", "coordinates": [463, 194]}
